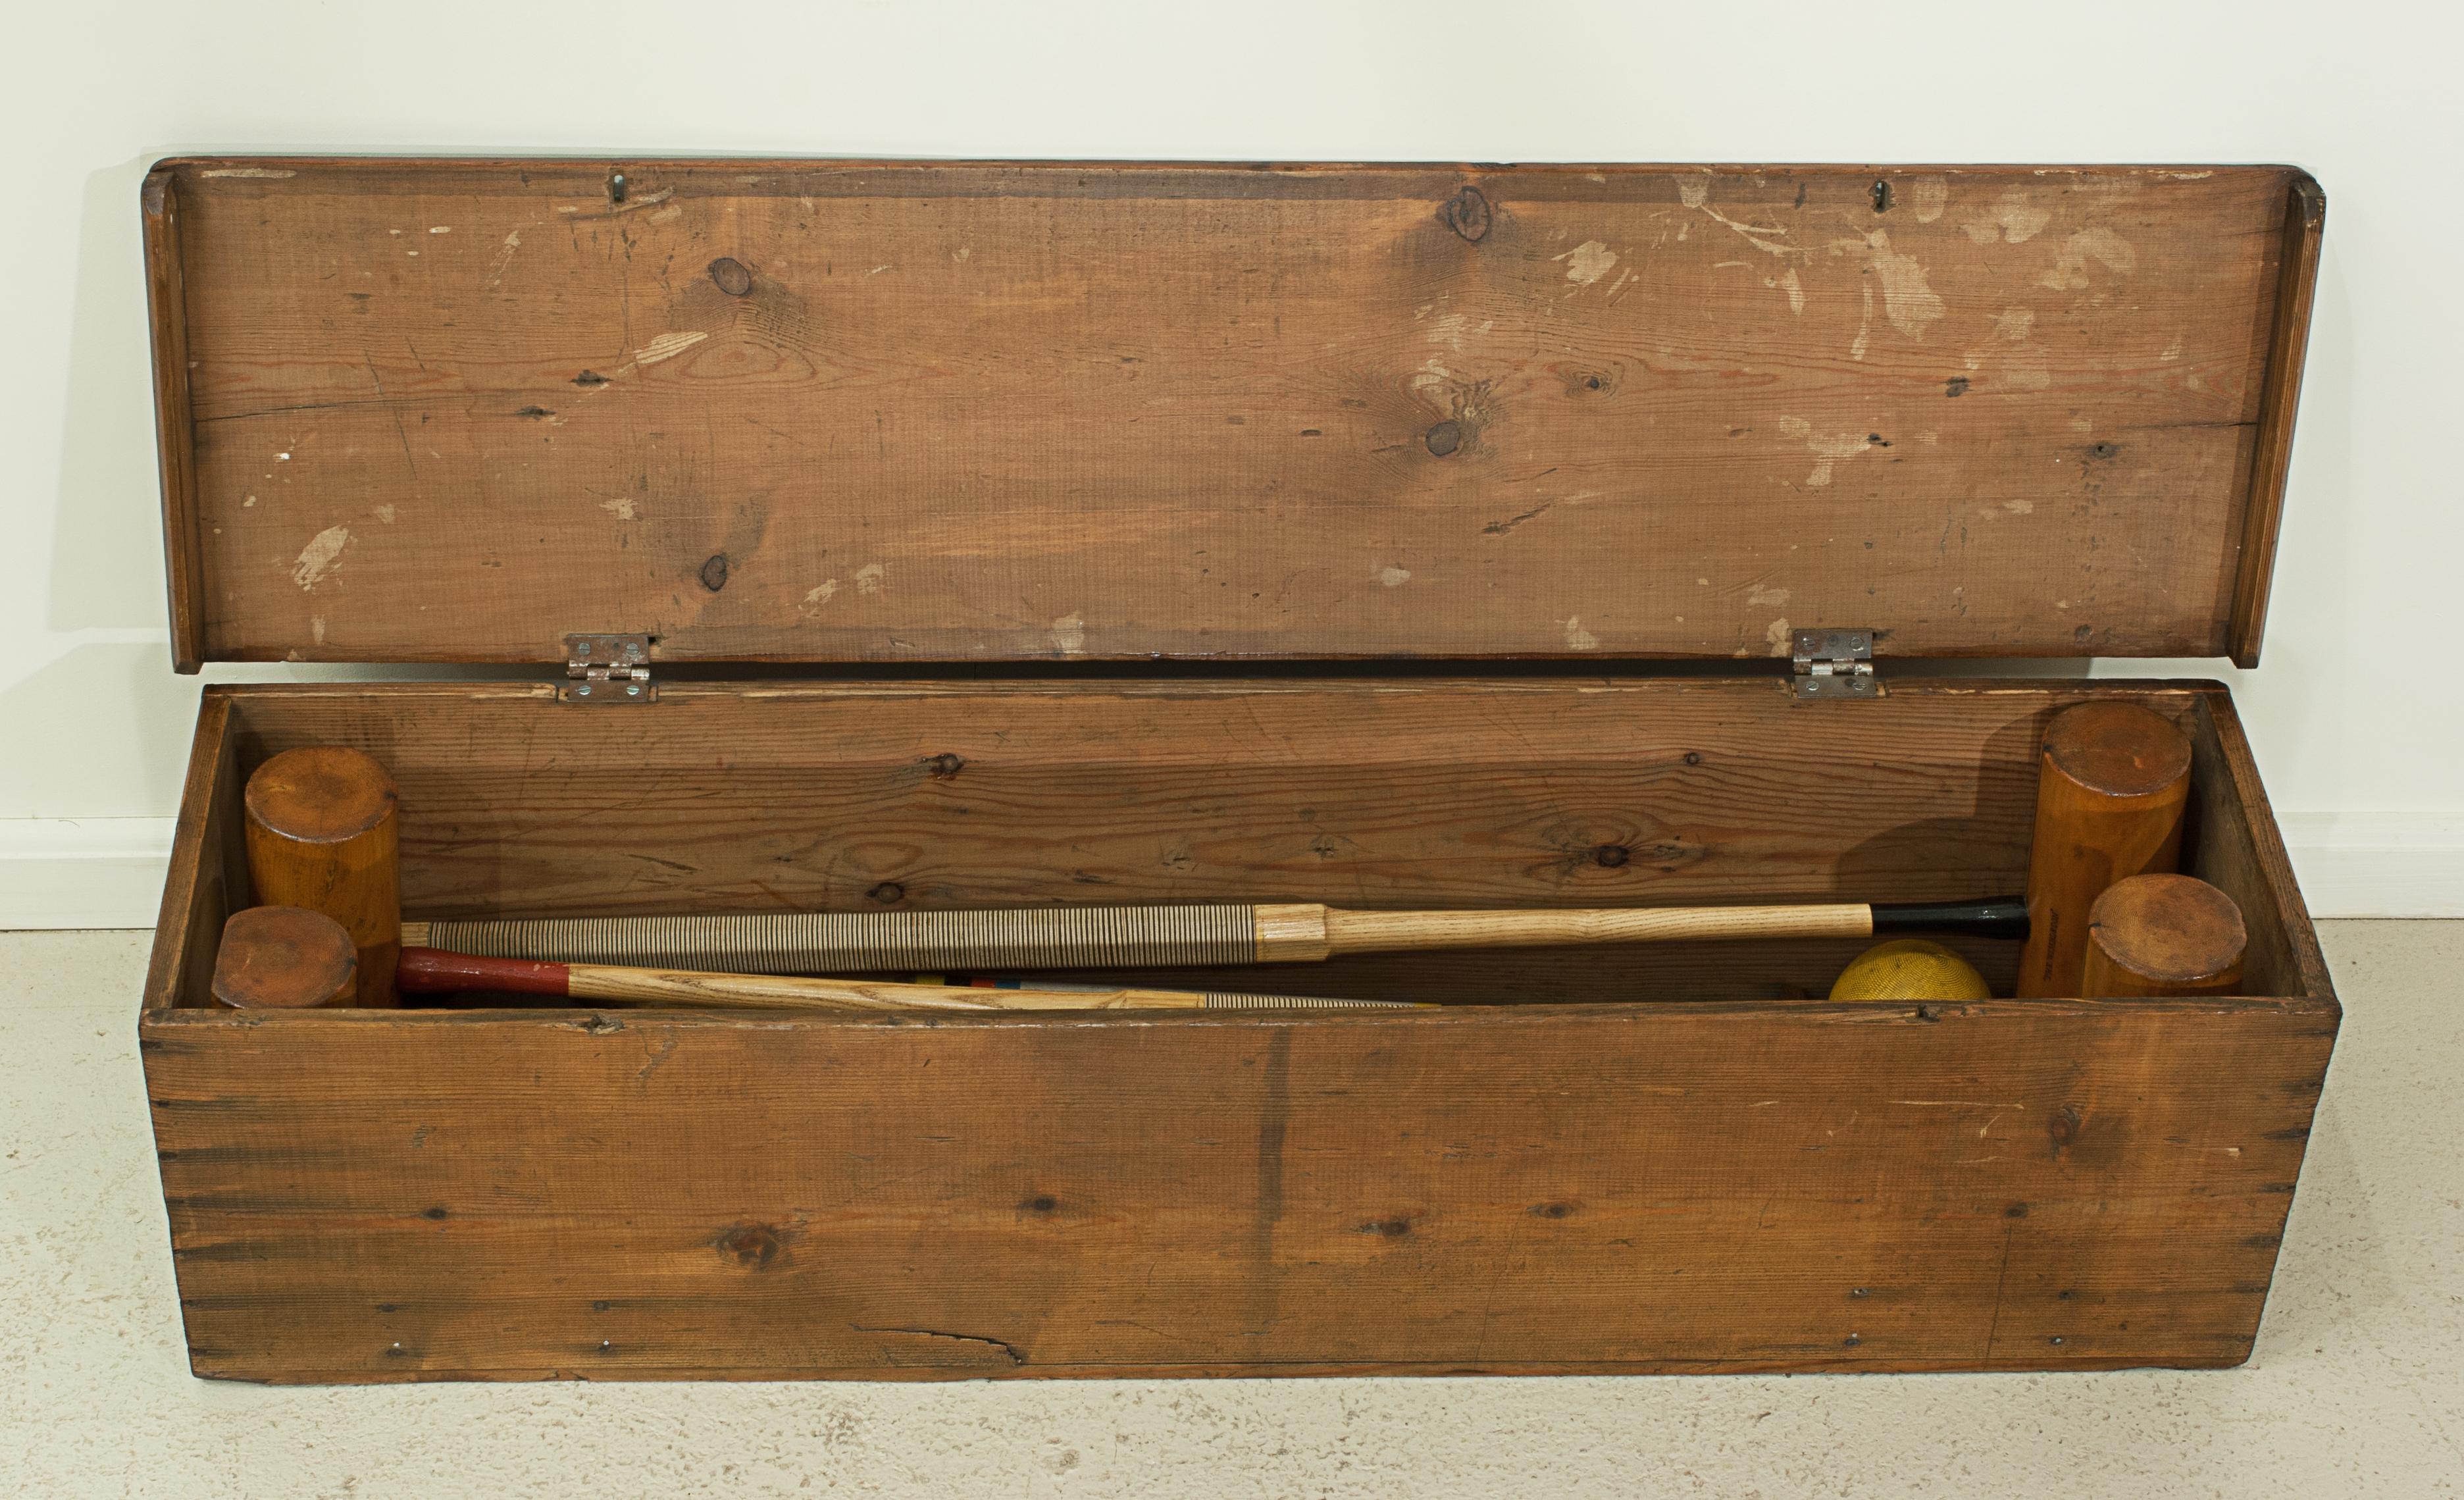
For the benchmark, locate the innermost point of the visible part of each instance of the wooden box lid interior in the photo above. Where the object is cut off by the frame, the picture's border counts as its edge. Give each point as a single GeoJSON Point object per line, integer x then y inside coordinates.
{"type": "Point", "coordinates": [453, 410]}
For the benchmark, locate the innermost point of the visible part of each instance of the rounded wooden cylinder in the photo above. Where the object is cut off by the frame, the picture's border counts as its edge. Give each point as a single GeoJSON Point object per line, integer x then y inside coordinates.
{"type": "Point", "coordinates": [2111, 784]}
{"type": "Point", "coordinates": [285, 957]}
{"type": "Point", "coordinates": [2163, 934]}
{"type": "Point", "coordinates": [321, 835]}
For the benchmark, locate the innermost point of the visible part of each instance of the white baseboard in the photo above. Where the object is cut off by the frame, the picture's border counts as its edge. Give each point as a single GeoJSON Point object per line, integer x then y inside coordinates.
{"type": "Point", "coordinates": [83, 871]}
{"type": "Point", "coordinates": [108, 872]}
{"type": "Point", "coordinates": [2377, 864]}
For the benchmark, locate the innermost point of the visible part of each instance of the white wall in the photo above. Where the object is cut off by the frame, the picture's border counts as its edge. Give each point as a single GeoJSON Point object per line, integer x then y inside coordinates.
{"type": "Point", "coordinates": [2354, 718]}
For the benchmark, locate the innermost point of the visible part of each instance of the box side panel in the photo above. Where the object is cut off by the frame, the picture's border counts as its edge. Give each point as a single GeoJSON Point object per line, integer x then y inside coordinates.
{"type": "Point", "coordinates": [208, 879]}
{"type": "Point", "coordinates": [2296, 282]}
{"type": "Point", "coordinates": [850, 796]}
{"type": "Point", "coordinates": [175, 433]}
{"type": "Point", "coordinates": [902, 411]}
{"type": "Point", "coordinates": [2235, 846]}
{"type": "Point", "coordinates": [2004, 1185]}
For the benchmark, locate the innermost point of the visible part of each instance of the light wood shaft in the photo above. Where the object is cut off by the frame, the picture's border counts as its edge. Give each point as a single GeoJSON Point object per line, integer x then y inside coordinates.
{"type": "Point", "coordinates": [1300, 933]}
{"type": "Point", "coordinates": [782, 992]}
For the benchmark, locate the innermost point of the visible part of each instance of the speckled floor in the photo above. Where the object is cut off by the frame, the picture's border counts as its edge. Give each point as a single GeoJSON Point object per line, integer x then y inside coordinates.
{"type": "Point", "coordinates": [2357, 1387]}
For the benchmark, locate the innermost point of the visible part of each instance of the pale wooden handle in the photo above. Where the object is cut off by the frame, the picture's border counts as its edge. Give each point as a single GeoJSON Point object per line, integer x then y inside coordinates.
{"type": "Point", "coordinates": [780, 992]}
{"type": "Point", "coordinates": [1302, 933]}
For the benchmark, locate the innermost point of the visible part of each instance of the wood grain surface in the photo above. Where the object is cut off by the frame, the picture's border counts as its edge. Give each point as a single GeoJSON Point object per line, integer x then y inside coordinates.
{"type": "Point", "coordinates": [2163, 934]}
{"type": "Point", "coordinates": [1698, 1174]}
{"type": "Point", "coordinates": [2248, 863]}
{"type": "Point", "coordinates": [1800, 1185]}
{"type": "Point", "coordinates": [175, 437]}
{"type": "Point", "coordinates": [2110, 804]}
{"type": "Point", "coordinates": [2296, 282]}
{"type": "Point", "coordinates": [285, 956]}
{"type": "Point", "coordinates": [323, 833]}
{"type": "Point", "coordinates": [1457, 930]}
{"type": "Point", "coordinates": [833, 411]}
{"type": "Point", "coordinates": [1363, 794]}
{"type": "Point", "coordinates": [208, 879]}
{"type": "Point", "coordinates": [1357, 793]}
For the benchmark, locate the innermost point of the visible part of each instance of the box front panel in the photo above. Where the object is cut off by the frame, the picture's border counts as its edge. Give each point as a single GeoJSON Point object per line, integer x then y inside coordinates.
{"type": "Point", "coordinates": [1997, 1185]}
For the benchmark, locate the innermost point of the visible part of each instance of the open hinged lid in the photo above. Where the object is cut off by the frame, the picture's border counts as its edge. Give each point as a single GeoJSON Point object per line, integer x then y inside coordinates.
{"type": "Point", "coordinates": [441, 411]}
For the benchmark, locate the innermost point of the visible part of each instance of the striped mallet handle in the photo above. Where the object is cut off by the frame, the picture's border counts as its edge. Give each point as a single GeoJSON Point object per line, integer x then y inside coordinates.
{"type": "Point", "coordinates": [433, 971]}
{"type": "Point", "coordinates": [1158, 937]}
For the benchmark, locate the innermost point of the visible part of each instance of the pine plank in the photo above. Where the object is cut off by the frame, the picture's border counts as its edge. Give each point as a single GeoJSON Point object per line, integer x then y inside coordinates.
{"type": "Point", "coordinates": [838, 412]}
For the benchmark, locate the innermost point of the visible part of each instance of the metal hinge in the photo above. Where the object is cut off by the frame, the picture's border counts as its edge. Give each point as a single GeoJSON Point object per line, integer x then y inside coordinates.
{"type": "Point", "coordinates": [608, 669]}
{"type": "Point", "coordinates": [1835, 664]}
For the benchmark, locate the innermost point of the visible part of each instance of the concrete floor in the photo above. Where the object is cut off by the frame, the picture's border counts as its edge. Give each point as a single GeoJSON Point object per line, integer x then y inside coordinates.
{"type": "Point", "coordinates": [2357, 1387]}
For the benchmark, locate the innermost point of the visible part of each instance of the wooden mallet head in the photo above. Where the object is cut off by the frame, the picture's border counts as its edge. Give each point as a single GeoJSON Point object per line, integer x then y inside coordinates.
{"type": "Point", "coordinates": [285, 957]}
{"type": "Point", "coordinates": [2112, 780]}
{"type": "Point", "coordinates": [2163, 934]}
{"type": "Point", "coordinates": [322, 834]}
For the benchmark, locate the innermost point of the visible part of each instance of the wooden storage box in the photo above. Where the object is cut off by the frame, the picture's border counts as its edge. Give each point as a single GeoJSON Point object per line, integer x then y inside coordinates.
{"type": "Point", "coordinates": [1229, 425]}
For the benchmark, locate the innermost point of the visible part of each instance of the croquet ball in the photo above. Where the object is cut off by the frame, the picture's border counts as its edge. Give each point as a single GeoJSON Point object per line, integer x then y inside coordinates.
{"type": "Point", "coordinates": [1910, 968]}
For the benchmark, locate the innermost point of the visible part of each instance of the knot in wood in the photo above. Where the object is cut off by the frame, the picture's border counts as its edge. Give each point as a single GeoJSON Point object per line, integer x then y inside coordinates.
{"type": "Point", "coordinates": [1467, 214]}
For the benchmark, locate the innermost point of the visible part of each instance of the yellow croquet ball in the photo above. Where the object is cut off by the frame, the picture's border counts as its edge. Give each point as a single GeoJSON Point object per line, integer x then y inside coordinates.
{"type": "Point", "coordinates": [1910, 968]}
